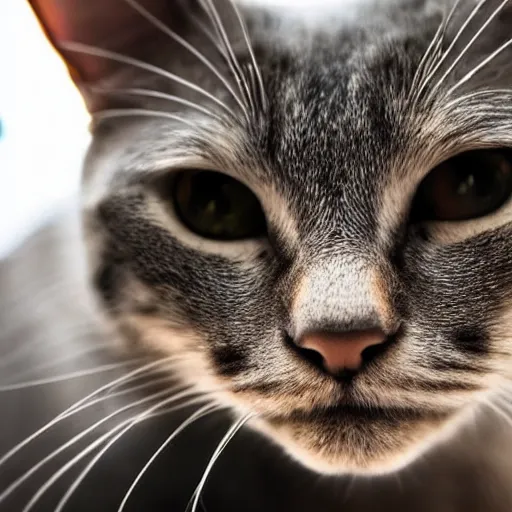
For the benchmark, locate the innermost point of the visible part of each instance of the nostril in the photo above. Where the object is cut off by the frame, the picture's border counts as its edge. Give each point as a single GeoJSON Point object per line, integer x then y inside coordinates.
{"type": "Point", "coordinates": [374, 351]}
{"type": "Point", "coordinates": [370, 353]}
{"type": "Point", "coordinates": [314, 357]}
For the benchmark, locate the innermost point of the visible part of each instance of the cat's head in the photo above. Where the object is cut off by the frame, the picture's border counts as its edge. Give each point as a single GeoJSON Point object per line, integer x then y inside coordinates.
{"type": "Point", "coordinates": [311, 209]}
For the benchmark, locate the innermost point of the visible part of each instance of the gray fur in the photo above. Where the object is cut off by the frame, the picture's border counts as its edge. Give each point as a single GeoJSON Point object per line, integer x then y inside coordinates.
{"type": "Point", "coordinates": [334, 145]}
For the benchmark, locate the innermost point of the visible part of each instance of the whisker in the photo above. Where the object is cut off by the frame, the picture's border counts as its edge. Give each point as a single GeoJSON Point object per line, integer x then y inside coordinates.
{"type": "Point", "coordinates": [232, 61]}
{"type": "Point", "coordinates": [144, 375]}
{"type": "Point", "coordinates": [349, 489]}
{"type": "Point", "coordinates": [134, 375]}
{"type": "Point", "coordinates": [501, 413]}
{"type": "Point", "coordinates": [69, 376]}
{"type": "Point", "coordinates": [81, 477]}
{"type": "Point", "coordinates": [124, 59]}
{"type": "Point", "coordinates": [461, 31]}
{"type": "Point", "coordinates": [80, 405]}
{"type": "Point", "coordinates": [216, 454]}
{"type": "Point", "coordinates": [493, 93]}
{"type": "Point", "coordinates": [149, 384]}
{"type": "Point", "coordinates": [23, 478]}
{"type": "Point", "coordinates": [421, 71]}
{"type": "Point", "coordinates": [250, 49]}
{"type": "Point", "coordinates": [428, 62]}
{"type": "Point", "coordinates": [201, 26]}
{"type": "Point", "coordinates": [480, 66]}
{"type": "Point", "coordinates": [204, 411]}
{"type": "Point", "coordinates": [159, 95]}
{"type": "Point", "coordinates": [128, 391]}
{"type": "Point", "coordinates": [139, 112]}
{"type": "Point", "coordinates": [16, 353]}
{"type": "Point", "coordinates": [468, 46]}
{"type": "Point", "coordinates": [505, 401]}
{"type": "Point", "coordinates": [38, 298]}
{"type": "Point", "coordinates": [173, 35]}
{"type": "Point", "coordinates": [64, 469]}
{"type": "Point", "coordinates": [69, 357]}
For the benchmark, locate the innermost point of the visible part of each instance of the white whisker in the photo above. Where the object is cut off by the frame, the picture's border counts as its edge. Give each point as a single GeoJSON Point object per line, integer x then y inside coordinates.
{"type": "Point", "coordinates": [255, 67]}
{"type": "Point", "coordinates": [13, 355]}
{"type": "Point", "coordinates": [100, 347]}
{"type": "Point", "coordinates": [134, 421]}
{"type": "Point", "coordinates": [349, 489]}
{"type": "Point", "coordinates": [216, 454]}
{"type": "Point", "coordinates": [173, 35]}
{"type": "Point", "coordinates": [80, 405]}
{"type": "Point", "coordinates": [159, 95]}
{"type": "Point", "coordinates": [480, 66]}
{"type": "Point", "coordinates": [69, 376]}
{"type": "Point", "coordinates": [134, 375]}
{"type": "Point", "coordinates": [207, 409]}
{"type": "Point", "coordinates": [19, 481]}
{"type": "Point", "coordinates": [492, 93]}
{"type": "Point", "coordinates": [499, 412]}
{"type": "Point", "coordinates": [149, 384]}
{"type": "Point", "coordinates": [427, 56]}
{"type": "Point", "coordinates": [461, 31]}
{"type": "Point", "coordinates": [139, 112]}
{"type": "Point", "coordinates": [467, 47]}
{"type": "Point", "coordinates": [118, 57]}
{"type": "Point", "coordinates": [507, 403]}
{"type": "Point", "coordinates": [233, 63]}
{"type": "Point", "coordinates": [149, 413]}
{"type": "Point", "coordinates": [201, 26]}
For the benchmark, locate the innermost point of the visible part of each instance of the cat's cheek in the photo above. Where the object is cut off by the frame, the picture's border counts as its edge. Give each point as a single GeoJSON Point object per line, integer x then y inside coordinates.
{"type": "Point", "coordinates": [180, 350]}
{"type": "Point", "coordinates": [501, 343]}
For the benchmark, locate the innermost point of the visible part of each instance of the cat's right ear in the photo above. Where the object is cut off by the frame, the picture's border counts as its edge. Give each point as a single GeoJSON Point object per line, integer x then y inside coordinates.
{"type": "Point", "coordinates": [113, 25]}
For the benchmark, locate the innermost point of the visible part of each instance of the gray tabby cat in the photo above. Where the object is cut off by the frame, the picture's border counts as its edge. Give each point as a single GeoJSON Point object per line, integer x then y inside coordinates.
{"type": "Point", "coordinates": [295, 226]}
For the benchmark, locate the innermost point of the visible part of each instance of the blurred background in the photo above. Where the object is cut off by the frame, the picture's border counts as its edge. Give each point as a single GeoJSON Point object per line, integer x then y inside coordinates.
{"type": "Point", "coordinates": [43, 126]}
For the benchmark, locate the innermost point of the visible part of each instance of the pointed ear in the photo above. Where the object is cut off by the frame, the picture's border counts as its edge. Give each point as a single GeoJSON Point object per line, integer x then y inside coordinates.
{"type": "Point", "coordinates": [108, 24]}
{"type": "Point", "coordinates": [114, 25]}
{"type": "Point", "coordinates": [100, 40]}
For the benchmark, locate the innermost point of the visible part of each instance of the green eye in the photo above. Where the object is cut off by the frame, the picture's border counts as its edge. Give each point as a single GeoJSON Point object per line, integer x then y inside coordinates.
{"type": "Point", "coordinates": [469, 186]}
{"type": "Point", "coordinates": [216, 206]}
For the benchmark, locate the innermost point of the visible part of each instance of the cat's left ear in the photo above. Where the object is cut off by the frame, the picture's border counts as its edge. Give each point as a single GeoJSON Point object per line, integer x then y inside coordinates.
{"type": "Point", "coordinates": [113, 25]}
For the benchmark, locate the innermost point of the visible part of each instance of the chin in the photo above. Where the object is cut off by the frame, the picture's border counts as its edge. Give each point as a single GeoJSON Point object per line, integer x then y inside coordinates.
{"type": "Point", "coordinates": [354, 440]}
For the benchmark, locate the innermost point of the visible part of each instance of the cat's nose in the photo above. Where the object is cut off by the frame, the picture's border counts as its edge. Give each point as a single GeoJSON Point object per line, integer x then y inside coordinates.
{"type": "Point", "coordinates": [344, 352]}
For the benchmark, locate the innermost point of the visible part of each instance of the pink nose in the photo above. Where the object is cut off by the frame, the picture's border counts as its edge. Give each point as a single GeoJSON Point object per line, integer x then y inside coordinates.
{"type": "Point", "coordinates": [342, 351]}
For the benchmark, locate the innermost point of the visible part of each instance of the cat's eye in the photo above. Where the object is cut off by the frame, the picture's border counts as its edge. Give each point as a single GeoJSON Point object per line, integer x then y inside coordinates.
{"type": "Point", "coordinates": [216, 206]}
{"type": "Point", "coordinates": [469, 186]}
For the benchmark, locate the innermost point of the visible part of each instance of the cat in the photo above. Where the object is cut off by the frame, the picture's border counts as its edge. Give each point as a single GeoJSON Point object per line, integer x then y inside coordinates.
{"type": "Point", "coordinates": [287, 282]}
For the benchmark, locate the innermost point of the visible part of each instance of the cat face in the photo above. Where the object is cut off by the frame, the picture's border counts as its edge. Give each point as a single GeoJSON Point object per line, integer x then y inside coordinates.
{"type": "Point", "coordinates": [315, 220]}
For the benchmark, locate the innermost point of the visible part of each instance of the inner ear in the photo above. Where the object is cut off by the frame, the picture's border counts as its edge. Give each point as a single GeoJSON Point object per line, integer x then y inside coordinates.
{"type": "Point", "coordinates": [114, 25]}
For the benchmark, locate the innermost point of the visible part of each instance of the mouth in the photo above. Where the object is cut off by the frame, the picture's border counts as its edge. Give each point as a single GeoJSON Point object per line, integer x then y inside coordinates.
{"type": "Point", "coordinates": [356, 438]}
{"type": "Point", "coordinates": [356, 413]}
{"type": "Point", "coordinates": [356, 416]}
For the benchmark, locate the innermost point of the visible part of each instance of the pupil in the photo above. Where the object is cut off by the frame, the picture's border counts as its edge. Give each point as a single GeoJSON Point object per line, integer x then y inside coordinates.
{"type": "Point", "coordinates": [210, 195]}
{"type": "Point", "coordinates": [223, 201]}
